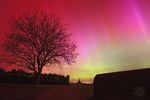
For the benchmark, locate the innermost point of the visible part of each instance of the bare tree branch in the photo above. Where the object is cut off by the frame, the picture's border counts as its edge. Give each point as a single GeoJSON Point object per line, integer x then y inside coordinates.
{"type": "Point", "coordinates": [37, 39]}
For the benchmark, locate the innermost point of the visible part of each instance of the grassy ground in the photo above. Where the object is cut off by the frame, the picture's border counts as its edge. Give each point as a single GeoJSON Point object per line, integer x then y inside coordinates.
{"type": "Point", "coordinates": [58, 92]}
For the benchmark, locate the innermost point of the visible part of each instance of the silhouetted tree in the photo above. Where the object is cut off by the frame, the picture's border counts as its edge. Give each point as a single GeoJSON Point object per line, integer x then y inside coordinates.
{"type": "Point", "coordinates": [36, 40]}
{"type": "Point", "coordinates": [79, 81]}
{"type": "Point", "coordinates": [21, 77]}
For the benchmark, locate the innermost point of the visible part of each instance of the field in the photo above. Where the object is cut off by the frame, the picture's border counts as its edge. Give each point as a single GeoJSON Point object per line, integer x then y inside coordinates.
{"type": "Point", "coordinates": [57, 92]}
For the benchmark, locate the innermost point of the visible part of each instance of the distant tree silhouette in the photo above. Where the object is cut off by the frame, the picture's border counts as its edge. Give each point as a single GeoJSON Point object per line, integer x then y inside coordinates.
{"type": "Point", "coordinates": [21, 77]}
{"type": "Point", "coordinates": [79, 81]}
{"type": "Point", "coordinates": [36, 40]}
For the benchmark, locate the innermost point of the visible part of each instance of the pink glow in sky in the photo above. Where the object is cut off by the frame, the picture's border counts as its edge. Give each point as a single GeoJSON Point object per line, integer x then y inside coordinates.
{"type": "Point", "coordinates": [111, 35]}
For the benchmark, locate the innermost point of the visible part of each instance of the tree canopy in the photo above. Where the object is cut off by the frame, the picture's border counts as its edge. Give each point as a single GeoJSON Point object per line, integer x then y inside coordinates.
{"type": "Point", "coordinates": [37, 39]}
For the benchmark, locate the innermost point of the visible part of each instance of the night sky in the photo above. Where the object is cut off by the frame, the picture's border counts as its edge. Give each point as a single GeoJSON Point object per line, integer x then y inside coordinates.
{"type": "Point", "coordinates": [111, 35]}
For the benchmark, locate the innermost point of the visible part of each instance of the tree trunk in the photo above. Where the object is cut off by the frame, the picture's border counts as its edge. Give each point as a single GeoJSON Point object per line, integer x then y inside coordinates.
{"type": "Point", "coordinates": [37, 76]}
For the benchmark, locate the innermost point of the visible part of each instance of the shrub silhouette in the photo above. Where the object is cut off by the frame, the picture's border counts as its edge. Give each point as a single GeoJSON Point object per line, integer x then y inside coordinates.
{"type": "Point", "coordinates": [21, 77]}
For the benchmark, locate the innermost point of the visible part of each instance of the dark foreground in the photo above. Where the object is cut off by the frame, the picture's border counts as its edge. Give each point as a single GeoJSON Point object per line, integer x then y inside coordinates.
{"type": "Point", "coordinates": [58, 92]}
{"type": "Point", "coordinates": [123, 85]}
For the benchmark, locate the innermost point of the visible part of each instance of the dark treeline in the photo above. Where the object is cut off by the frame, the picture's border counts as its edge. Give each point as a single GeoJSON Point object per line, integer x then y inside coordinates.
{"type": "Point", "coordinates": [21, 77]}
